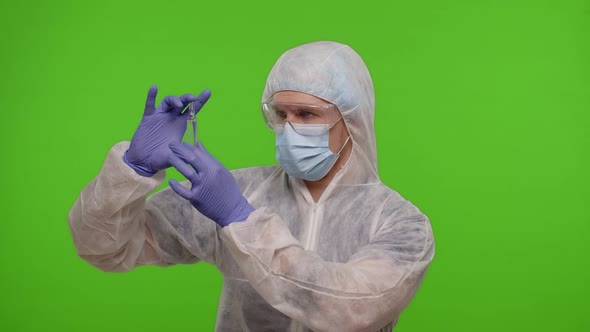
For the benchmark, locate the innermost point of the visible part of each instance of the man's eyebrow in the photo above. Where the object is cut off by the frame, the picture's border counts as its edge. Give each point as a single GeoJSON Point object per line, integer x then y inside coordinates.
{"type": "Point", "coordinates": [306, 109]}
{"type": "Point", "coordinates": [293, 108]}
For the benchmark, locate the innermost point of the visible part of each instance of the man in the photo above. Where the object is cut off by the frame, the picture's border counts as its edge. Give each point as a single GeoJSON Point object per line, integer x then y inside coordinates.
{"type": "Point", "coordinates": [318, 243]}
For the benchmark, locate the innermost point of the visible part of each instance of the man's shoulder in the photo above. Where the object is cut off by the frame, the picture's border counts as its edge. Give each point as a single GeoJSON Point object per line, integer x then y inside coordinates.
{"type": "Point", "coordinates": [395, 202]}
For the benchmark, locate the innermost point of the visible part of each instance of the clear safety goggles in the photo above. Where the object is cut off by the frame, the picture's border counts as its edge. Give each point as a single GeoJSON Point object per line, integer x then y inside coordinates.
{"type": "Point", "coordinates": [306, 119]}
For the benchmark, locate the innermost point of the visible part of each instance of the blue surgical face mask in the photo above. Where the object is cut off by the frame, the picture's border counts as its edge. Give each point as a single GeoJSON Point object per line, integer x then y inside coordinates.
{"type": "Point", "coordinates": [303, 151]}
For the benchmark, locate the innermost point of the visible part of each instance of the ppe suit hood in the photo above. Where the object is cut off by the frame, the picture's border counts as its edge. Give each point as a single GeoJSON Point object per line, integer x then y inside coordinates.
{"type": "Point", "coordinates": [336, 73]}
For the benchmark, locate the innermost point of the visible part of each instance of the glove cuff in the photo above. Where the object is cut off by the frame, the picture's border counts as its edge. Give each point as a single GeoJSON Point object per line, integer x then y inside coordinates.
{"type": "Point", "coordinates": [242, 215]}
{"type": "Point", "coordinates": [138, 169]}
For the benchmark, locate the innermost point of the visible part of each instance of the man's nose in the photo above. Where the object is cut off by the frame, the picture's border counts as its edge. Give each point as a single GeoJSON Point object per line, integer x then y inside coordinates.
{"type": "Point", "coordinates": [291, 117]}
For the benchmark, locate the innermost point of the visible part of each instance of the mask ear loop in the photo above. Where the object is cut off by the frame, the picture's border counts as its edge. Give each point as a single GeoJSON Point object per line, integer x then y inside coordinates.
{"type": "Point", "coordinates": [345, 142]}
{"type": "Point", "coordinates": [342, 148]}
{"type": "Point", "coordinates": [343, 145]}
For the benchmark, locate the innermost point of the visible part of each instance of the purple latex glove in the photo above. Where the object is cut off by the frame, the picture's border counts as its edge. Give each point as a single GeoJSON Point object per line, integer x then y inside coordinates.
{"type": "Point", "coordinates": [148, 152]}
{"type": "Point", "coordinates": [214, 191]}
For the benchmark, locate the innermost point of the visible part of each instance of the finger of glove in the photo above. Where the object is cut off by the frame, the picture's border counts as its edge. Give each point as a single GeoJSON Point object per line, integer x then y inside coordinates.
{"type": "Point", "coordinates": [171, 104]}
{"type": "Point", "coordinates": [184, 169]}
{"type": "Point", "coordinates": [179, 189]}
{"type": "Point", "coordinates": [187, 98]}
{"type": "Point", "coordinates": [188, 154]}
{"type": "Point", "coordinates": [150, 102]}
{"type": "Point", "coordinates": [206, 158]}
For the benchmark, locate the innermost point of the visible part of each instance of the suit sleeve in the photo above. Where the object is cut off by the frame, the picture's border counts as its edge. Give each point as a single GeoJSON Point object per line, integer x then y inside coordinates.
{"type": "Point", "coordinates": [115, 227]}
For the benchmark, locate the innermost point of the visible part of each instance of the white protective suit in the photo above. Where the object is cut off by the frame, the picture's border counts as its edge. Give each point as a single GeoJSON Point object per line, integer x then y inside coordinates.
{"type": "Point", "coordinates": [350, 262]}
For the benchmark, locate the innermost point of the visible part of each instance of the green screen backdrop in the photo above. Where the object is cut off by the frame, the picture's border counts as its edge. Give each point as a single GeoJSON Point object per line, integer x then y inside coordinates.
{"type": "Point", "coordinates": [481, 121]}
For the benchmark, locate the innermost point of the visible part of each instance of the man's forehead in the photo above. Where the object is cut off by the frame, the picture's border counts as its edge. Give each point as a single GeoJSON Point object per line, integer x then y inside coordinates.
{"type": "Point", "coordinates": [297, 97]}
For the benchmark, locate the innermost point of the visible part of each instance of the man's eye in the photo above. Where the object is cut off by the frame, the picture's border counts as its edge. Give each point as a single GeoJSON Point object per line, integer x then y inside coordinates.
{"type": "Point", "coordinates": [305, 114]}
{"type": "Point", "coordinates": [280, 114]}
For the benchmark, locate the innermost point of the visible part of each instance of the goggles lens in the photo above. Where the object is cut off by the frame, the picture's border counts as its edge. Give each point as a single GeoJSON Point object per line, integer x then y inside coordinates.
{"type": "Point", "coordinates": [278, 114]}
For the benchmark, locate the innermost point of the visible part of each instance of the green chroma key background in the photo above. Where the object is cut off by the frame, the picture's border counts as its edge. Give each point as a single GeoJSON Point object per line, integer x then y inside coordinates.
{"type": "Point", "coordinates": [481, 121]}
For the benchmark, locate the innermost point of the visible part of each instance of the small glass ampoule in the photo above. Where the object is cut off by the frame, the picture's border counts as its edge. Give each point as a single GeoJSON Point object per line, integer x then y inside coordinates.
{"type": "Point", "coordinates": [190, 135]}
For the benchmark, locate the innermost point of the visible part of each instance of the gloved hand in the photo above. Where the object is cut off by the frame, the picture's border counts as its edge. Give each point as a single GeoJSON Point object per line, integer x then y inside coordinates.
{"type": "Point", "coordinates": [214, 191]}
{"type": "Point", "coordinates": [148, 152]}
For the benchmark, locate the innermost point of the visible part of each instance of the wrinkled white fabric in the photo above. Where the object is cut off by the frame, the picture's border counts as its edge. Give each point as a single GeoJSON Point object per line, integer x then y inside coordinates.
{"type": "Point", "coordinates": [350, 262]}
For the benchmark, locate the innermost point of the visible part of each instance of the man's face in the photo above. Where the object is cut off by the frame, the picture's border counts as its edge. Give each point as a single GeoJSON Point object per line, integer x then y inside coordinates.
{"type": "Point", "coordinates": [338, 133]}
